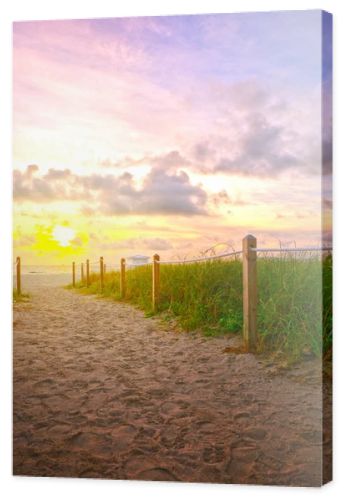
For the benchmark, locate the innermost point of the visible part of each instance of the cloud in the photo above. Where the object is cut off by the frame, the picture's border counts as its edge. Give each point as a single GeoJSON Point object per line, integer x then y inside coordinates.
{"type": "Point", "coordinates": [24, 240]}
{"type": "Point", "coordinates": [125, 162]}
{"type": "Point", "coordinates": [170, 160]}
{"type": "Point", "coordinates": [173, 193]}
{"type": "Point", "coordinates": [221, 198]}
{"type": "Point", "coordinates": [263, 151]}
{"type": "Point", "coordinates": [258, 131]}
{"type": "Point", "coordinates": [148, 244]}
{"type": "Point", "coordinates": [139, 244]}
{"type": "Point", "coordinates": [161, 192]}
{"type": "Point", "coordinates": [31, 169]}
{"type": "Point", "coordinates": [258, 135]}
{"type": "Point", "coordinates": [251, 132]}
{"type": "Point", "coordinates": [54, 174]}
{"type": "Point", "coordinates": [203, 151]}
{"type": "Point", "coordinates": [77, 241]}
{"type": "Point", "coordinates": [157, 244]}
{"type": "Point", "coordinates": [54, 185]}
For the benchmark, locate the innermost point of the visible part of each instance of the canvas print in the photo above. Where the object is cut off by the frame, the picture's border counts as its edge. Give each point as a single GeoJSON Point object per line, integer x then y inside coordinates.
{"type": "Point", "coordinates": [172, 248]}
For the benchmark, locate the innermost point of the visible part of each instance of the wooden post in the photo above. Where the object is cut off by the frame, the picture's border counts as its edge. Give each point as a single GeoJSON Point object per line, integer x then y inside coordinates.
{"type": "Point", "coordinates": [104, 269]}
{"type": "Point", "coordinates": [18, 276]}
{"type": "Point", "coordinates": [82, 272]}
{"type": "Point", "coordinates": [87, 273]}
{"type": "Point", "coordinates": [73, 274]}
{"type": "Point", "coordinates": [122, 278]}
{"type": "Point", "coordinates": [249, 292]}
{"type": "Point", "coordinates": [101, 273]}
{"type": "Point", "coordinates": [155, 282]}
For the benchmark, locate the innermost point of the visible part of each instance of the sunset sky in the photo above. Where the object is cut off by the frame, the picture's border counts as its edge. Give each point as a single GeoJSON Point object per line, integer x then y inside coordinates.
{"type": "Point", "coordinates": [168, 134]}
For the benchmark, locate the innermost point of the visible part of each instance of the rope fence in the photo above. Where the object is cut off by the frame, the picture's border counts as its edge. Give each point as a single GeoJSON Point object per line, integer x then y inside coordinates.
{"type": "Point", "coordinates": [249, 254]}
{"type": "Point", "coordinates": [202, 259]}
{"type": "Point", "coordinates": [291, 249]}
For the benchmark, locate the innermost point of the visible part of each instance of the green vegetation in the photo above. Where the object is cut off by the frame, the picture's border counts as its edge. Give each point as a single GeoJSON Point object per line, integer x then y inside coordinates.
{"type": "Point", "coordinates": [208, 296]}
{"type": "Point", "coordinates": [293, 314]}
{"type": "Point", "coordinates": [20, 297]}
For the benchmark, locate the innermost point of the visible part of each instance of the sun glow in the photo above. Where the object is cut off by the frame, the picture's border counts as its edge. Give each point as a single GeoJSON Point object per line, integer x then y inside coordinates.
{"type": "Point", "coordinates": [63, 235]}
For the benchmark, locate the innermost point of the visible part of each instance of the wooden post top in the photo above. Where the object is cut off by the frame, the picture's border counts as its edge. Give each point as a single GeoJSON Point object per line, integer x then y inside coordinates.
{"type": "Point", "coordinates": [156, 257]}
{"type": "Point", "coordinates": [249, 242]}
{"type": "Point", "coordinates": [122, 261]}
{"type": "Point", "coordinates": [250, 239]}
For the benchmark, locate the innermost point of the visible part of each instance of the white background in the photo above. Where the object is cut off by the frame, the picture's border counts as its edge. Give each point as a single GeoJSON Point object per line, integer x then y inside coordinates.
{"type": "Point", "coordinates": [39, 488]}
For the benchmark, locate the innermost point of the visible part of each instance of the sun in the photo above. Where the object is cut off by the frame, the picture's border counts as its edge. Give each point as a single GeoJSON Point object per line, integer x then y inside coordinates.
{"type": "Point", "coordinates": [63, 235]}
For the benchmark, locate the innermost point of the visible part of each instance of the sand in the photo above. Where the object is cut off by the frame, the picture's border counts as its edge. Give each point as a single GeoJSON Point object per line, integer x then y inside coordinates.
{"type": "Point", "coordinates": [102, 391]}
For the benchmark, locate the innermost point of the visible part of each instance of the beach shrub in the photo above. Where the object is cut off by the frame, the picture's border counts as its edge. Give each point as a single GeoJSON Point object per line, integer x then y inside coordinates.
{"type": "Point", "coordinates": [294, 298]}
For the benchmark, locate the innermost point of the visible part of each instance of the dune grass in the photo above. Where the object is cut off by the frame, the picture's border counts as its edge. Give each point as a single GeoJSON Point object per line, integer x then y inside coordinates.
{"type": "Point", "coordinates": [295, 306]}
{"type": "Point", "coordinates": [20, 297]}
{"type": "Point", "coordinates": [294, 298]}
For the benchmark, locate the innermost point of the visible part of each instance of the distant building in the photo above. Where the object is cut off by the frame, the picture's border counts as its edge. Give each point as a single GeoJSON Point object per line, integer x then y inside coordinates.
{"type": "Point", "coordinates": [137, 260]}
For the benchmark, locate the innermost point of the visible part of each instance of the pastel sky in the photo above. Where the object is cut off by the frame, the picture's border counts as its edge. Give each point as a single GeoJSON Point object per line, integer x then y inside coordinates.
{"type": "Point", "coordinates": [169, 134]}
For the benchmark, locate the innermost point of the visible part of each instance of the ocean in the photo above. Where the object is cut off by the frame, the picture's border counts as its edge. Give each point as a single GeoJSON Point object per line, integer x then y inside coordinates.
{"type": "Point", "coordinates": [57, 269]}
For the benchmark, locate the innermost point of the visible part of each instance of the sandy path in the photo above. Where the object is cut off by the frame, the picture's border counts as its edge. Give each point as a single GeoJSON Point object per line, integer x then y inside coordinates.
{"type": "Point", "coordinates": [101, 391]}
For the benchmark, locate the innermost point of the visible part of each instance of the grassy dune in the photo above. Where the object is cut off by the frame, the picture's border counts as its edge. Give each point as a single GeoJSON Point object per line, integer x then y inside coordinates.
{"type": "Point", "coordinates": [208, 296]}
{"type": "Point", "coordinates": [19, 297]}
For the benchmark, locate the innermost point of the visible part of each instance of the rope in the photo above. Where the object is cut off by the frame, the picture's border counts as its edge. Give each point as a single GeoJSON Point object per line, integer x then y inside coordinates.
{"type": "Point", "coordinates": [215, 257]}
{"type": "Point", "coordinates": [200, 259]}
{"type": "Point", "coordinates": [314, 249]}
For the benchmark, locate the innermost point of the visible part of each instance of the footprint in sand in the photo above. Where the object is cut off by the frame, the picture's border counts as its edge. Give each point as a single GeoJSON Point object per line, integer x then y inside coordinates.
{"type": "Point", "coordinates": [157, 474]}
{"type": "Point", "coordinates": [87, 440]}
{"type": "Point", "coordinates": [257, 434]}
{"type": "Point", "coordinates": [213, 454]}
{"type": "Point", "coordinates": [122, 436]}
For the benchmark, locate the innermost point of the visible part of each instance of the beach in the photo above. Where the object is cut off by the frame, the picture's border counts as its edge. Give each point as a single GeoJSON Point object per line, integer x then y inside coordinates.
{"type": "Point", "coordinates": [102, 391]}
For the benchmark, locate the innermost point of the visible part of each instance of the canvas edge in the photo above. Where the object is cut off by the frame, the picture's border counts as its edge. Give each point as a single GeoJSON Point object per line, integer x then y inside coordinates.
{"type": "Point", "coordinates": [327, 235]}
